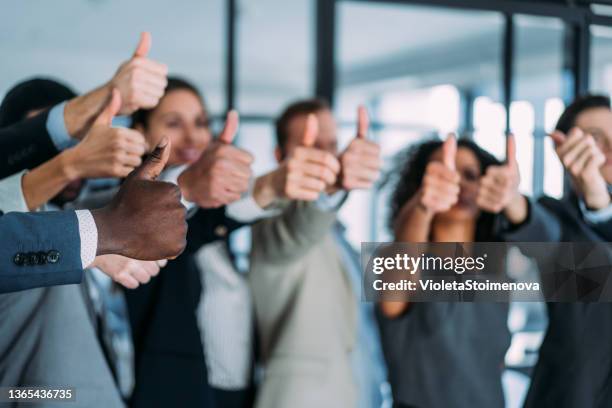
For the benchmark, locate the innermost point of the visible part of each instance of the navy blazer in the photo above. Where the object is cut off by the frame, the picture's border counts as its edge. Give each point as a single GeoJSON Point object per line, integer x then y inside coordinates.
{"type": "Point", "coordinates": [169, 357]}
{"type": "Point", "coordinates": [25, 145]}
{"type": "Point", "coordinates": [574, 368]}
{"type": "Point", "coordinates": [38, 250]}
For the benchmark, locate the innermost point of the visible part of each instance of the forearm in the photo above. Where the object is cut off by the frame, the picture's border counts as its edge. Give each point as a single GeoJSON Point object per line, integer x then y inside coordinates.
{"type": "Point", "coordinates": [47, 180]}
{"type": "Point", "coordinates": [81, 111]}
{"type": "Point", "coordinates": [516, 212]}
{"type": "Point", "coordinates": [264, 190]}
{"type": "Point", "coordinates": [413, 223]}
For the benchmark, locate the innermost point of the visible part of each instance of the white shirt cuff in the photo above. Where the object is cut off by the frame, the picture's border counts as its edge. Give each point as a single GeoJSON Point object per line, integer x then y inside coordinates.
{"type": "Point", "coordinates": [332, 202]}
{"type": "Point", "coordinates": [171, 175]}
{"type": "Point", "coordinates": [246, 208]}
{"type": "Point", "coordinates": [11, 194]}
{"type": "Point", "coordinates": [89, 237]}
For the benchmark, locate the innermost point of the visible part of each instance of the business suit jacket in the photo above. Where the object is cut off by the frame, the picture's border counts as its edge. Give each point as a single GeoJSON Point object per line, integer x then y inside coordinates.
{"type": "Point", "coordinates": [305, 311]}
{"type": "Point", "coordinates": [25, 145]}
{"type": "Point", "coordinates": [169, 357]}
{"type": "Point", "coordinates": [48, 339]}
{"type": "Point", "coordinates": [574, 368]}
{"type": "Point", "coordinates": [41, 249]}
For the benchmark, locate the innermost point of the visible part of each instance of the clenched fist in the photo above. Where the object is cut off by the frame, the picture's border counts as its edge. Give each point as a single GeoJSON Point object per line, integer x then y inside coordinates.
{"type": "Point", "coordinates": [105, 151]}
{"type": "Point", "coordinates": [440, 187]}
{"type": "Point", "coordinates": [303, 175]}
{"type": "Point", "coordinates": [140, 80]}
{"type": "Point", "coordinates": [221, 175]}
{"type": "Point", "coordinates": [360, 162]}
{"type": "Point", "coordinates": [583, 159]}
{"type": "Point", "coordinates": [145, 220]}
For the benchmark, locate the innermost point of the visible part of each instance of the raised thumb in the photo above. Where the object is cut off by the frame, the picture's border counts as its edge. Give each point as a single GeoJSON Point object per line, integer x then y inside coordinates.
{"type": "Point", "coordinates": [231, 127]}
{"type": "Point", "coordinates": [144, 45]}
{"type": "Point", "coordinates": [363, 122]}
{"type": "Point", "coordinates": [110, 110]}
{"type": "Point", "coordinates": [449, 151]}
{"type": "Point", "coordinates": [154, 164]}
{"type": "Point", "coordinates": [558, 137]}
{"type": "Point", "coordinates": [311, 131]}
{"type": "Point", "coordinates": [511, 150]}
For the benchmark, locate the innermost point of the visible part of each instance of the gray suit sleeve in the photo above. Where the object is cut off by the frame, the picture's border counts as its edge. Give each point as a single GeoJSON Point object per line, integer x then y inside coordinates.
{"type": "Point", "coordinates": [301, 226]}
{"type": "Point", "coordinates": [38, 250]}
{"type": "Point", "coordinates": [540, 226]}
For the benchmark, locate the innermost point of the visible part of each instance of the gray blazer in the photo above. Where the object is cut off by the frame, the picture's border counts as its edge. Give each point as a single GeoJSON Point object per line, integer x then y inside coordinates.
{"type": "Point", "coordinates": [305, 311]}
{"type": "Point", "coordinates": [48, 339]}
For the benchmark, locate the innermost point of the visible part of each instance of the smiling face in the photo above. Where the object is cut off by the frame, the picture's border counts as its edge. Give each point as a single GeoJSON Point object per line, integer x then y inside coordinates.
{"type": "Point", "coordinates": [468, 166]}
{"type": "Point", "coordinates": [181, 117]}
{"type": "Point", "coordinates": [598, 123]}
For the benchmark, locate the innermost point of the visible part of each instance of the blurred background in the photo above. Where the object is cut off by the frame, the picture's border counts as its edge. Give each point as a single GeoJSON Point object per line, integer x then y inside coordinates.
{"type": "Point", "coordinates": [422, 67]}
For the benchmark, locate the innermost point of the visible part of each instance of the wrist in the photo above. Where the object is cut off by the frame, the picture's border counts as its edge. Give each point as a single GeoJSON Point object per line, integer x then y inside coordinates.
{"type": "Point", "coordinates": [80, 112]}
{"type": "Point", "coordinates": [421, 209]}
{"type": "Point", "coordinates": [69, 165]}
{"type": "Point", "coordinates": [517, 209]}
{"type": "Point", "coordinates": [108, 243]}
{"type": "Point", "coordinates": [184, 183]}
{"type": "Point", "coordinates": [596, 202]}
{"type": "Point", "coordinates": [267, 189]}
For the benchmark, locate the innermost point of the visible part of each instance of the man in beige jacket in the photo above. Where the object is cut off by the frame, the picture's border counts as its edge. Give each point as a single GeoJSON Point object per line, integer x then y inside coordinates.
{"type": "Point", "coordinates": [306, 304]}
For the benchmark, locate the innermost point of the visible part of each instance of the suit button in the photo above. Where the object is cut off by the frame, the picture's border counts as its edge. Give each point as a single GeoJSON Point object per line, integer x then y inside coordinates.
{"type": "Point", "coordinates": [221, 230]}
{"type": "Point", "coordinates": [42, 258]}
{"type": "Point", "coordinates": [53, 256]}
{"type": "Point", "coordinates": [19, 259]}
{"type": "Point", "coordinates": [33, 258]}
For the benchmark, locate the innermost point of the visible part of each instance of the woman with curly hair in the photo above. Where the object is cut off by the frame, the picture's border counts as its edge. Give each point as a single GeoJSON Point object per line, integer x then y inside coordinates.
{"type": "Point", "coordinates": [449, 354]}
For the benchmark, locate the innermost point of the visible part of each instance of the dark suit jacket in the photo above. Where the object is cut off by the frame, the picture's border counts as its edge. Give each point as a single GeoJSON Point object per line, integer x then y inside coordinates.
{"type": "Point", "coordinates": [170, 365]}
{"type": "Point", "coordinates": [25, 145]}
{"type": "Point", "coordinates": [37, 250]}
{"type": "Point", "coordinates": [575, 364]}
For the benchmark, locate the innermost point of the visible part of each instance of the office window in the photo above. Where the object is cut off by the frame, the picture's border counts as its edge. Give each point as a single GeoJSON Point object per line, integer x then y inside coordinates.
{"type": "Point", "coordinates": [553, 183]}
{"type": "Point", "coordinates": [522, 125]}
{"type": "Point", "coordinates": [539, 75]}
{"type": "Point", "coordinates": [83, 42]}
{"type": "Point", "coordinates": [490, 125]}
{"type": "Point", "coordinates": [418, 69]}
{"type": "Point", "coordinates": [275, 54]}
{"type": "Point", "coordinates": [601, 60]}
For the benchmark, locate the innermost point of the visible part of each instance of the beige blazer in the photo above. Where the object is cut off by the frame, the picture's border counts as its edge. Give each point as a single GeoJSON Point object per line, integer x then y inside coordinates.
{"type": "Point", "coordinates": [305, 311]}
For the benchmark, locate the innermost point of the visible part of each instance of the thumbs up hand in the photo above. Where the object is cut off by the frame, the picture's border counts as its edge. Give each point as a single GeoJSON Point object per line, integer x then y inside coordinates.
{"type": "Point", "coordinates": [440, 186]}
{"type": "Point", "coordinates": [140, 80]}
{"type": "Point", "coordinates": [303, 175]}
{"type": "Point", "coordinates": [221, 175]}
{"type": "Point", "coordinates": [498, 188]}
{"type": "Point", "coordinates": [582, 158]}
{"type": "Point", "coordinates": [145, 220]}
{"type": "Point", "coordinates": [105, 151]}
{"type": "Point", "coordinates": [361, 160]}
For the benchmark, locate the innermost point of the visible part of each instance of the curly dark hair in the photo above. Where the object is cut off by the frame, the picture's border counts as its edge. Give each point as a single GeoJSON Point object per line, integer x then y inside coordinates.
{"type": "Point", "coordinates": [409, 169]}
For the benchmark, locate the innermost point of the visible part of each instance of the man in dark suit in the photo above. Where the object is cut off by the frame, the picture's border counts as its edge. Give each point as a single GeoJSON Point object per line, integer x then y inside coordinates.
{"type": "Point", "coordinates": [575, 361]}
{"type": "Point", "coordinates": [45, 249]}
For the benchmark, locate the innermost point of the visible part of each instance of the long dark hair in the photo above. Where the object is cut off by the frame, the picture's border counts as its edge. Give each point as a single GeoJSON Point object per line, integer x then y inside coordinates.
{"type": "Point", "coordinates": [409, 169]}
